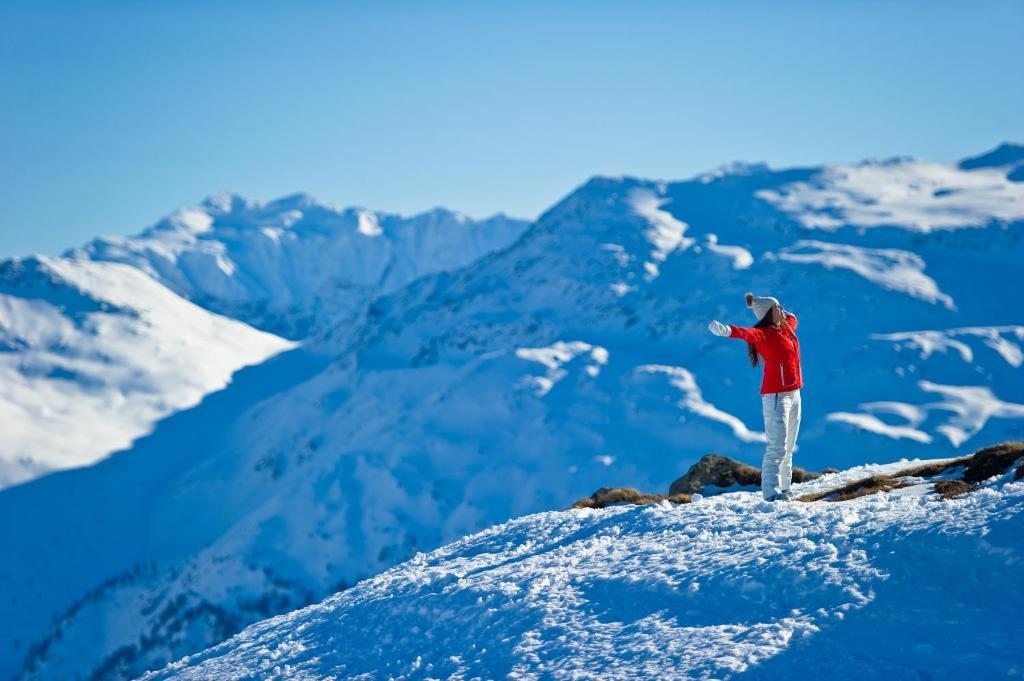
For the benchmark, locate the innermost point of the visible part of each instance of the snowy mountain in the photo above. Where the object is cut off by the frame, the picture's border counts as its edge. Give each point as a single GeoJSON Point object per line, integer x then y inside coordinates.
{"type": "Point", "coordinates": [295, 265]}
{"type": "Point", "coordinates": [880, 586]}
{"type": "Point", "coordinates": [93, 354]}
{"type": "Point", "coordinates": [577, 357]}
{"type": "Point", "coordinates": [102, 343]}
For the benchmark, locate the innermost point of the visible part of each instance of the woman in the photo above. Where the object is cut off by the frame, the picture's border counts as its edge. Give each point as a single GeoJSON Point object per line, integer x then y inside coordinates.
{"type": "Point", "coordinates": [774, 340]}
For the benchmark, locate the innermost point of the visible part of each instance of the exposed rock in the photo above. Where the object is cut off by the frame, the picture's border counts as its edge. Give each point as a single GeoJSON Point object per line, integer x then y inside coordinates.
{"type": "Point", "coordinates": [858, 488]}
{"type": "Point", "coordinates": [977, 467]}
{"type": "Point", "coordinates": [721, 471]}
{"type": "Point", "coordinates": [993, 460]}
{"type": "Point", "coordinates": [930, 470]}
{"type": "Point", "coordinates": [608, 496]}
{"type": "Point", "coordinates": [947, 489]}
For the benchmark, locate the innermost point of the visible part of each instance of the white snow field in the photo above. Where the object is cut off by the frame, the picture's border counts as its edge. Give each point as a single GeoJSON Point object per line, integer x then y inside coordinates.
{"type": "Point", "coordinates": [576, 357]}
{"type": "Point", "coordinates": [897, 585]}
{"type": "Point", "coordinates": [93, 354]}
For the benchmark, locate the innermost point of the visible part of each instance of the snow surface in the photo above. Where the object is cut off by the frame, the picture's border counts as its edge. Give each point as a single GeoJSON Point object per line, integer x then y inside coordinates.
{"type": "Point", "coordinates": [970, 407]}
{"type": "Point", "coordinates": [741, 257]}
{"type": "Point", "coordinates": [554, 356]}
{"type": "Point", "coordinates": [1005, 340]}
{"type": "Point", "coordinates": [892, 268]}
{"type": "Point", "coordinates": [416, 421]}
{"type": "Point", "coordinates": [666, 231]}
{"type": "Point", "coordinates": [99, 352]}
{"type": "Point", "coordinates": [96, 347]}
{"type": "Point", "coordinates": [694, 402]}
{"type": "Point", "coordinates": [883, 586]}
{"type": "Point", "coordinates": [916, 195]}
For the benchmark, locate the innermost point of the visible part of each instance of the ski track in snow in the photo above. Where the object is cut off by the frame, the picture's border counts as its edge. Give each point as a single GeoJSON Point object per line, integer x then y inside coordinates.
{"type": "Point", "coordinates": [708, 590]}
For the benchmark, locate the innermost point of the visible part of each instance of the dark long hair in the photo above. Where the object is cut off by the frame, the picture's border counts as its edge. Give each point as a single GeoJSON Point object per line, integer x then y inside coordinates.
{"type": "Point", "coordinates": [766, 320]}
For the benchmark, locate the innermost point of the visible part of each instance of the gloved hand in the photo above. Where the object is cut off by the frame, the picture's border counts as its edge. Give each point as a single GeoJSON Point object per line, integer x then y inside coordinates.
{"type": "Point", "coordinates": [719, 329]}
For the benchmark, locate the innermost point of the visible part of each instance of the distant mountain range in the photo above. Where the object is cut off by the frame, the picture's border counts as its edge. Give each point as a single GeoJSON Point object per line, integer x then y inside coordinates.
{"type": "Point", "coordinates": [422, 400]}
{"type": "Point", "coordinates": [108, 339]}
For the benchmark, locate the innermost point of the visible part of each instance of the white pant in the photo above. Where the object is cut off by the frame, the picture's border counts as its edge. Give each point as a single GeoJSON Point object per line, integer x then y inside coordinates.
{"type": "Point", "coordinates": [781, 423]}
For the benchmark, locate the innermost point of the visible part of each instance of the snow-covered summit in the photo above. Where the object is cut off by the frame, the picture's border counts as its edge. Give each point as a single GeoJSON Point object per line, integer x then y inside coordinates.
{"type": "Point", "coordinates": [296, 264]}
{"type": "Point", "coordinates": [876, 587]}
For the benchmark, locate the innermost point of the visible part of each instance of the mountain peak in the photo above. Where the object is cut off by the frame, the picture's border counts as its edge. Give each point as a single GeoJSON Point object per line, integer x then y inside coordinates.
{"type": "Point", "coordinates": [735, 168]}
{"type": "Point", "coordinates": [1006, 154]}
{"type": "Point", "coordinates": [300, 201]}
{"type": "Point", "coordinates": [224, 202]}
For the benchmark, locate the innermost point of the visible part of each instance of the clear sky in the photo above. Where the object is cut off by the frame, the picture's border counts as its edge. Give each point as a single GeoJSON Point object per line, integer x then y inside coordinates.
{"type": "Point", "coordinates": [113, 114]}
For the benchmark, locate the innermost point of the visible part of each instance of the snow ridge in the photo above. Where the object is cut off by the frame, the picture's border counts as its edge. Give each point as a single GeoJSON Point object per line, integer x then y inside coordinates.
{"type": "Point", "coordinates": [296, 265]}
{"type": "Point", "coordinates": [726, 586]}
{"type": "Point", "coordinates": [96, 353]}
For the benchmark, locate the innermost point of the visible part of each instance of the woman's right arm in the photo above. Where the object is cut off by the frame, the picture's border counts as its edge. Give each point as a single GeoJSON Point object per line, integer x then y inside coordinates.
{"type": "Point", "coordinates": [754, 336]}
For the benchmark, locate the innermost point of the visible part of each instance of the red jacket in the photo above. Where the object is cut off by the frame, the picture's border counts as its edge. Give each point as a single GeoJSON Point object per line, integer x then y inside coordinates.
{"type": "Point", "coordinates": [780, 351]}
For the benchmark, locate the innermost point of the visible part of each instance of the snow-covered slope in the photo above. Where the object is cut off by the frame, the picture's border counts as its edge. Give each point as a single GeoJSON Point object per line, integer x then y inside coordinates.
{"type": "Point", "coordinates": [295, 265]}
{"type": "Point", "coordinates": [576, 358]}
{"type": "Point", "coordinates": [95, 346]}
{"type": "Point", "coordinates": [895, 585]}
{"type": "Point", "coordinates": [93, 354]}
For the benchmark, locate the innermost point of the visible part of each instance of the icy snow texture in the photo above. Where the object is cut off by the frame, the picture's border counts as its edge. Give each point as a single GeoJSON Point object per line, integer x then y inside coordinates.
{"type": "Point", "coordinates": [731, 586]}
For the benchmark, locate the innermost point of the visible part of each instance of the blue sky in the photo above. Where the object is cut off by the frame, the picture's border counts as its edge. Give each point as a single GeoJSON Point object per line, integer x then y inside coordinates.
{"type": "Point", "coordinates": [114, 114]}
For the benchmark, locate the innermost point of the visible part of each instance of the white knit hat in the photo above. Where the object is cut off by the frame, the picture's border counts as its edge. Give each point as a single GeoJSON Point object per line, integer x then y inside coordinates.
{"type": "Point", "coordinates": [760, 305]}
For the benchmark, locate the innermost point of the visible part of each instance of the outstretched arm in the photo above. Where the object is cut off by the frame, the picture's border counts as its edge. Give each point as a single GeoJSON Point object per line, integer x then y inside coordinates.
{"type": "Point", "coordinates": [754, 336]}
